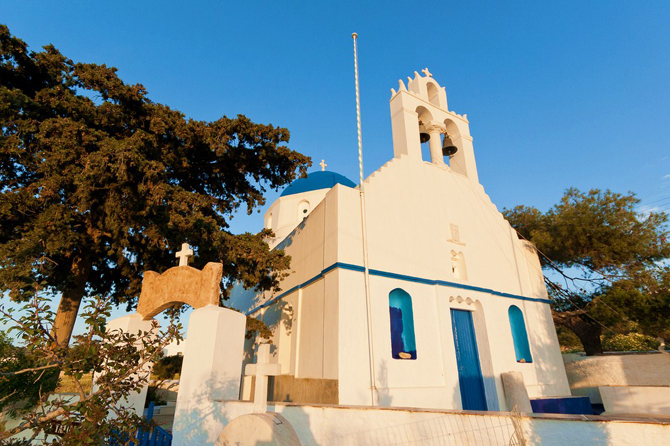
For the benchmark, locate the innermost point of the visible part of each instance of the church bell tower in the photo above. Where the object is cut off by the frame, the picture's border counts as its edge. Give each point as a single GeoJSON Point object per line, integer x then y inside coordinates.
{"type": "Point", "coordinates": [419, 113]}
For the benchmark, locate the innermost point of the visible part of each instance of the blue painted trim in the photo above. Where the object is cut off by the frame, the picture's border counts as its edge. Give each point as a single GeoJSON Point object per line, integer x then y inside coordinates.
{"type": "Point", "coordinates": [316, 181]}
{"type": "Point", "coordinates": [388, 275]}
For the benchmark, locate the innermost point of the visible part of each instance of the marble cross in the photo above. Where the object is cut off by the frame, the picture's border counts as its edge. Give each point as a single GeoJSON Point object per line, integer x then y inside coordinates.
{"type": "Point", "coordinates": [427, 73]}
{"type": "Point", "coordinates": [323, 165]}
{"type": "Point", "coordinates": [184, 254]}
{"type": "Point", "coordinates": [261, 370]}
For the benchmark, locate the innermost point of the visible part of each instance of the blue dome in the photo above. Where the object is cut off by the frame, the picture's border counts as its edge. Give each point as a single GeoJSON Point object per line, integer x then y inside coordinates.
{"type": "Point", "coordinates": [316, 181]}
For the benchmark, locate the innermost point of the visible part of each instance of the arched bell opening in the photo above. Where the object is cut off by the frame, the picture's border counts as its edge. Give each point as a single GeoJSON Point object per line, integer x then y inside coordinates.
{"type": "Point", "coordinates": [425, 117]}
{"type": "Point", "coordinates": [452, 145]}
{"type": "Point", "coordinates": [433, 94]}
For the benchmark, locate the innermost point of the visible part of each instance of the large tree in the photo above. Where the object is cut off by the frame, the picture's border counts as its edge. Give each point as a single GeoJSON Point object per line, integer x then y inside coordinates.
{"type": "Point", "coordinates": [605, 263]}
{"type": "Point", "coordinates": [99, 184]}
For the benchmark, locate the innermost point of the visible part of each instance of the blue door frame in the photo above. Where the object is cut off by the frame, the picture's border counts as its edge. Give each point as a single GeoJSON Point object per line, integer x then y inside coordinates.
{"type": "Point", "coordinates": [470, 377]}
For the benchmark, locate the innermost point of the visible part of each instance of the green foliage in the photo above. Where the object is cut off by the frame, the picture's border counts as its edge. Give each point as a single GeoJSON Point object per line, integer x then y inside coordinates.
{"type": "Point", "coordinates": [631, 342]}
{"type": "Point", "coordinates": [12, 442]}
{"type": "Point", "coordinates": [98, 183]}
{"type": "Point", "coordinates": [257, 327]}
{"type": "Point", "coordinates": [167, 367]}
{"type": "Point", "coordinates": [598, 231]}
{"type": "Point", "coordinates": [20, 392]}
{"type": "Point", "coordinates": [153, 396]}
{"type": "Point", "coordinates": [611, 259]}
{"type": "Point", "coordinates": [568, 341]}
{"type": "Point", "coordinates": [117, 358]}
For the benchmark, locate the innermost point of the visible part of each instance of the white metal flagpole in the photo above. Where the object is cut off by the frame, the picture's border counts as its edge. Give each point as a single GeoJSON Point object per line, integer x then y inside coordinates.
{"type": "Point", "coordinates": [373, 385]}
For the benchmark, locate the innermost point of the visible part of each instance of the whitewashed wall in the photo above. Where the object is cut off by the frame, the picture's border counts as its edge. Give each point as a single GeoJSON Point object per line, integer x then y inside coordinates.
{"type": "Point", "coordinates": [411, 207]}
{"type": "Point", "coordinates": [360, 426]}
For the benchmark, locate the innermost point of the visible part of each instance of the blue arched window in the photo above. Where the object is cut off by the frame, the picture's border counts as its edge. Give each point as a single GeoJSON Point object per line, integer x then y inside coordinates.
{"type": "Point", "coordinates": [519, 334]}
{"type": "Point", "coordinates": [403, 344]}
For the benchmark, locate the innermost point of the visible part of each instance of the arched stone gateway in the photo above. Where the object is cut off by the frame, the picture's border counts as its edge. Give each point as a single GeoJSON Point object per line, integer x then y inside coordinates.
{"type": "Point", "coordinates": [181, 284]}
{"type": "Point", "coordinates": [213, 355]}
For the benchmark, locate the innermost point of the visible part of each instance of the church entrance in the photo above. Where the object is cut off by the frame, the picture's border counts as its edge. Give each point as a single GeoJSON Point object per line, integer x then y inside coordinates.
{"type": "Point", "coordinates": [467, 357]}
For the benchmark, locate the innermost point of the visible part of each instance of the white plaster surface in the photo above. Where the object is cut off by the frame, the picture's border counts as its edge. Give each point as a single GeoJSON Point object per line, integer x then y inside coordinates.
{"type": "Point", "coordinates": [361, 426]}
{"type": "Point", "coordinates": [587, 373]}
{"type": "Point", "coordinates": [258, 429]}
{"type": "Point", "coordinates": [211, 370]}
{"type": "Point", "coordinates": [636, 400]}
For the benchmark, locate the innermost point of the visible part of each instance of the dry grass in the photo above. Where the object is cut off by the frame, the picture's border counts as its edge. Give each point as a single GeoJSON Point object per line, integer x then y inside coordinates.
{"type": "Point", "coordinates": [66, 384]}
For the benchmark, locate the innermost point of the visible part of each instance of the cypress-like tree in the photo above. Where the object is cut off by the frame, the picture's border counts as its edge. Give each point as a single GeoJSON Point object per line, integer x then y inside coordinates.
{"type": "Point", "coordinates": [99, 184]}
{"type": "Point", "coordinates": [606, 262]}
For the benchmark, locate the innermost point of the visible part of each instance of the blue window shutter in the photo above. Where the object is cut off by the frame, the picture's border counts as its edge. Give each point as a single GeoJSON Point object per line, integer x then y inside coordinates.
{"type": "Point", "coordinates": [519, 335]}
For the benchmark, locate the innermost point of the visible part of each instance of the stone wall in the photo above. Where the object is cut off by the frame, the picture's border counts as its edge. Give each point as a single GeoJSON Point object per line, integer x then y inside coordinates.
{"type": "Point", "coordinates": [587, 373]}
{"type": "Point", "coordinates": [286, 388]}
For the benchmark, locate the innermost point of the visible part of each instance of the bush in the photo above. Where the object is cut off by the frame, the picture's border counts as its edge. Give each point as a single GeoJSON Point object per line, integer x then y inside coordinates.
{"type": "Point", "coordinates": [568, 341]}
{"type": "Point", "coordinates": [631, 342]}
{"type": "Point", "coordinates": [22, 392]}
{"type": "Point", "coordinates": [153, 396]}
{"type": "Point", "coordinates": [168, 367]}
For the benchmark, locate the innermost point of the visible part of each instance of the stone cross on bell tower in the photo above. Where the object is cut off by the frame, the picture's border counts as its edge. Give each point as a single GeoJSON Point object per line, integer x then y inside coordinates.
{"type": "Point", "coordinates": [420, 109]}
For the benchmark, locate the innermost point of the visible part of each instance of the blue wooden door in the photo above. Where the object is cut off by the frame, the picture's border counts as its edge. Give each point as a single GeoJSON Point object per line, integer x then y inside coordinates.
{"type": "Point", "coordinates": [467, 358]}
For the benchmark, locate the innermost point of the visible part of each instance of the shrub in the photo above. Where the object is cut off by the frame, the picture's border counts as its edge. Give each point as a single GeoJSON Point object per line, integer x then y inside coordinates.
{"type": "Point", "coordinates": [167, 367]}
{"type": "Point", "coordinates": [153, 396]}
{"type": "Point", "coordinates": [631, 342]}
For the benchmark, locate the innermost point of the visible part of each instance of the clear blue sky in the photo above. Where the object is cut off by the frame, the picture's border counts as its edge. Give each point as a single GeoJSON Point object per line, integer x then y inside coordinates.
{"type": "Point", "coordinates": [558, 94]}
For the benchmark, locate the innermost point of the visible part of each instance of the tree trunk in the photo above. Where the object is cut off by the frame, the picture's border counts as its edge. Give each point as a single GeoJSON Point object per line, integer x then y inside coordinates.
{"type": "Point", "coordinates": [588, 332]}
{"type": "Point", "coordinates": [68, 308]}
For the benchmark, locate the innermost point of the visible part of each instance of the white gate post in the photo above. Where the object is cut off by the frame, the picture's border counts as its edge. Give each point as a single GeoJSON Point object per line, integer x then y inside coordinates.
{"type": "Point", "coordinates": [211, 372]}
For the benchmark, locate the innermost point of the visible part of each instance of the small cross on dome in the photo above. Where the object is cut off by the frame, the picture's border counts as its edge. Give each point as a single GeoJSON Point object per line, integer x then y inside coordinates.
{"type": "Point", "coordinates": [426, 72]}
{"type": "Point", "coordinates": [184, 254]}
{"type": "Point", "coordinates": [323, 165]}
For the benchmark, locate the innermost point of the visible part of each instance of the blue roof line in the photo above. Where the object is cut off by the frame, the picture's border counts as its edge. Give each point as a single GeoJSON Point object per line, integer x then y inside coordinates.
{"type": "Point", "coordinates": [316, 181]}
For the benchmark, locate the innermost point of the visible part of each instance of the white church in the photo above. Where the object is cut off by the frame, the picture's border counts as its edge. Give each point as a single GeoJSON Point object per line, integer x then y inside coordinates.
{"type": "Point", "coordinates": [423, 320]}
{"type": "Point", "coordinates": [448, 299]}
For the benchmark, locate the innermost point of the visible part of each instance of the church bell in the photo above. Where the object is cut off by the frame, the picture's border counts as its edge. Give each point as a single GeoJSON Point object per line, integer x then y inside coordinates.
{"type": "Point", "coordinates": [424, 137]}
{"type": "Point", "coordinates": [448, 147]}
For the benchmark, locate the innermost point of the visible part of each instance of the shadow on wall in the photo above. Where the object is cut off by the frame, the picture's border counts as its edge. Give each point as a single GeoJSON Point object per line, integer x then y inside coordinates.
{"type": "Point", "coordinates": [544, 349]}
{"type": "Point", "coordinates": [245, 300]}
{"type": "Point", "coordinates": [491, 386]}
{"type": "Point", "coordinates": [385, 398]}
{"type": "Point", "coordinates": [300, 420]}
{"type": "Point", "coordinates": [200, 419]}
{"type": "Point", "coordinates": [272, 316]}
{"type": "Point", "coordinates": [541, 431]}
{"type": "Point", "coordinates": [288, 241]}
